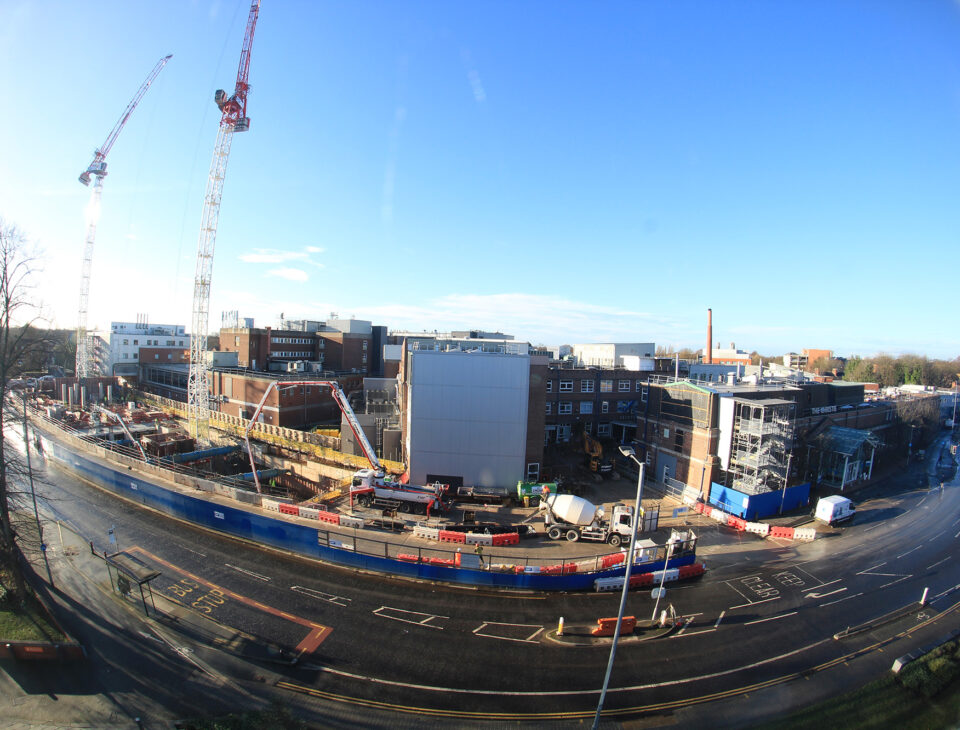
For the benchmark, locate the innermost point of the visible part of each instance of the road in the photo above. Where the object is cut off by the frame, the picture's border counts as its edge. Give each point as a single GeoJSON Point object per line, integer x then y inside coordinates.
{"type": "Point", "coordinates": [766, 610]}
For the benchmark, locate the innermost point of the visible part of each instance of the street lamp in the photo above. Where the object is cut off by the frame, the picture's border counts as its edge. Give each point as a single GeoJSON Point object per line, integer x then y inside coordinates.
{"type": "Point", "coordinates": [635, 528]}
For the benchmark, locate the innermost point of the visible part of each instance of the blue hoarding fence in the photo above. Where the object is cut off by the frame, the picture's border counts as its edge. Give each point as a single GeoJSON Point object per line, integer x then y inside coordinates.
{"type": "Point", "coordinates": [758, 506]}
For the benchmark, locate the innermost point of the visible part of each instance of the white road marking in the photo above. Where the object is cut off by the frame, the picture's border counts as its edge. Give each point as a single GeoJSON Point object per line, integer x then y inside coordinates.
{"type": "Point", "coordinates": [693, 633]}
{"type": "Point", "coordinates": [884, 575]}
{"type": "Point", "coordinates": [947, 592]}
{"type": "Point", "coordinates": [684, 627]}
{"type": "Point", "coordinates": [722, 614]}
{"type": "Point", "coordinates": [935, 536]}
{"type": "Point", "coordinates": [822, 585]}
{"type": "Point", "coordinates": [249, 572]}
{"type": "Point", "coordinates": [938, 563]}
{"type": "Point", "coordinates": [909, 551]}
{"type": "Point", "coordinates": [754, 603]}
{"type": "Point", "coordinates": [531, 639]}
{"type": "Point", "coordinates": [824, 595]}
{"type": "Point", "coordinates": [874, 527]}
{"type": "Point", "coordinates": [872, 567]}
{"type": "Point", "coordinates": [196, 552]}
{"type": "Point", "coordinates": [321, 596]}
{"type": "Point", "coordinates": [956, 536]}
{"type": "Point", "coordinates": [830, 603]}
{"type": "Point", "coordinates": [400, 613]}
{"type": "Point", "coordinates": [895, 581]}
{"type": "Point", "coordinates": [771, 618]}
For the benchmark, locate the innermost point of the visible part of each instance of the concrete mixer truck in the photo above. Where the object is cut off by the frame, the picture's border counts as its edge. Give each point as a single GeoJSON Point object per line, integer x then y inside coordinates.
{"type": "Point", "coordinates": [574, 518]}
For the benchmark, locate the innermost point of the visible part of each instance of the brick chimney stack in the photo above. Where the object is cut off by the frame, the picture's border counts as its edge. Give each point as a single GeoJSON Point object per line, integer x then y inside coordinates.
{"type": "Point", "coordinates": [708, 353]}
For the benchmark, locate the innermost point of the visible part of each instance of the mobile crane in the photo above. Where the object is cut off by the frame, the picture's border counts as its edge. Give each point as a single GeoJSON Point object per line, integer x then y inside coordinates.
{"type": "Point", "coordinates": [370, 487]}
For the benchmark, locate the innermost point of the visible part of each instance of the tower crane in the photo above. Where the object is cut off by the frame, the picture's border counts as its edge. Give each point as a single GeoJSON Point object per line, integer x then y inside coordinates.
{"type": "Point", "coordinates": [98, 169]}
{"type": "Point", "coordinates": [233, 119]}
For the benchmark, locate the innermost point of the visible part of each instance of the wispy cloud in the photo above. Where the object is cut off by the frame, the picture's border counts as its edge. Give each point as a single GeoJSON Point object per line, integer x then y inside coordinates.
{"type": "Point", "coordinates": [539, 318]}
{"type": "Point", "coordinates": [473, 76]}
{"type": "Point", "coordinates": [278, 256]}
{"type": "Point", "coordinates": [289, 274]}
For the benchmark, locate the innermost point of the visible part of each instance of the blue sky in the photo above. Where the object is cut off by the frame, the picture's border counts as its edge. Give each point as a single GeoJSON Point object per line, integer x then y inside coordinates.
{"type": "Point", "coordinates": [562, 171]}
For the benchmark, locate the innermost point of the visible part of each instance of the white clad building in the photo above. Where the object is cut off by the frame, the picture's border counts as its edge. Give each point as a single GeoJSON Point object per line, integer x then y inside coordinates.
{"type": "Point", "coordinates": [611, 354]}
{"type": "Point", "coordinates": [126, 339]}
{"type": "Point", "coordinates": [466, 417]}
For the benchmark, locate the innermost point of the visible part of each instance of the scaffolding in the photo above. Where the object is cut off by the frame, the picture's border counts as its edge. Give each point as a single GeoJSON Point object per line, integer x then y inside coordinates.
{"type": "Point", "coordinates": [763, 433]}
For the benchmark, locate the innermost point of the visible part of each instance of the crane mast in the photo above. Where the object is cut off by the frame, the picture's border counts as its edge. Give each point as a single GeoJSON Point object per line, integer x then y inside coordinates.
{"type": "Point", "coordinates": [233, 119]}
{"type": "Point", "coordinates": [98, 169]}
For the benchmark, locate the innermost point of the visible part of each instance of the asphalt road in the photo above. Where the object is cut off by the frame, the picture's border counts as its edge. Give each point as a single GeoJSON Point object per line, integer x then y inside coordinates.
{"type": "Point", "coordinates": [766, 610]}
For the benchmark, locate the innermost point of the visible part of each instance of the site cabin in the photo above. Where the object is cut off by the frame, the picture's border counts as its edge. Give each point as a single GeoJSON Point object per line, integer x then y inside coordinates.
{"type": "Point", "coordinates": [834, 510]}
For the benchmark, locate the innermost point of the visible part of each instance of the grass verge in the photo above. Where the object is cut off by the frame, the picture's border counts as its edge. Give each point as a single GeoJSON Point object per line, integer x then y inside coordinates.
{"type": "Point", "coordinates": [29, 622]}
{"type": "Point", "coordinates": [926, 694]}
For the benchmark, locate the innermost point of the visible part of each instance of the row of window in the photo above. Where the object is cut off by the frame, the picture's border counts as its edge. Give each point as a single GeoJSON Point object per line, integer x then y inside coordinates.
{"type": "Point", "coordinates": [289, 341]}
{"type": "Point", "coordinates": [156, 343]}
{"type": "Point", "coordinates": [606, 386]}
{"type": "Point", "coordinates": [565, 407]}
{"type": "Point", "coordinates": [561, 434]}
{"type": "Point", "coordinates": [290, 353]}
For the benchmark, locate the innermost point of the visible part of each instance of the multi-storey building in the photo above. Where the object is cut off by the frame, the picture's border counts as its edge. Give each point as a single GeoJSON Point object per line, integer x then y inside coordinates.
{"type": "Point", "coordinates": [126, 339]}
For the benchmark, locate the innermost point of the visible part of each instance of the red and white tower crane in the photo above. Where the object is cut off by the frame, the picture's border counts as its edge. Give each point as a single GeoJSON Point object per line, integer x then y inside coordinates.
{"type": "Point", "coordinates": [98, 169]}
{"type": "Point", "coordinates": [234, 119]}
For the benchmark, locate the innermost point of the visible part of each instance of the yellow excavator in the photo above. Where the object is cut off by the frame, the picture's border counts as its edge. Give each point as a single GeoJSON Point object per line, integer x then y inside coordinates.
{"type": "Point", "coordinates": [594, 456]}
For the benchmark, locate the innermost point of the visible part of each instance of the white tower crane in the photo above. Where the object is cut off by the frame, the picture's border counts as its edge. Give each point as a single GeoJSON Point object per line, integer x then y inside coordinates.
{"type": "Point", "coordinates": [98, 168]}
{"type": "Point", "coordinates": [234, 119]}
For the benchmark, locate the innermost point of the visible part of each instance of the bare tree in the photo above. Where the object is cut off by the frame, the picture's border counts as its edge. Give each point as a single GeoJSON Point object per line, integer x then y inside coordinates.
{"type": "Point", "coordinates": [19, 338]}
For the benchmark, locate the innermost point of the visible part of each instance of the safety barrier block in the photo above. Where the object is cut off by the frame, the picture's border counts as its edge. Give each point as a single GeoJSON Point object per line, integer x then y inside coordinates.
{"type": "Point", "coordinates": [781, 532]}
{"type": "Point", "coordinates": [665, 576]}
{"type": "Point", "coordinates": [502, 567]}
{"type": "Point", "coordinates": [448, 536]}
{"type": "Point", "coordinates": [758, 528]}
{"type": "Point", "coordinates": [602, 585]}
{"type": "Point", "coordinates": [609, 560]}
{"type": "Point", "coordinates": [308, 512]}
{"type": "Point", "coordinates": [408, 557]}
{"type": "Point", "coordinates": [270, 504]}
{"type": "Point", "coordinates": [551, 569]}
{"type": "Point", "coordinates": [691, 571]}
{"type": "Point", "coordinates": [428, 533]}
{"type": "Point", "coordinates": [288, 509]}
{"type": "Point", "coordinates": [804, 533]}
{"type": "Point", "coordinates": [475, 538]}
{"type": "Point", "coordinates": [607, 626]}
{"type": "Point", "coordinates": [737, 523]}
{"type": "Point", "coordinates": [350, 521]}
{"type": "Point", "coordinates": [511, 538]}
{"type": "Point", "coordinates": [698, 507]}
{"type": "Point", "coordinates": [332, 517]}
{"type": "Point", "coordinates": [641, 579]}
{"type": "Point", "coordinates": [570, 568]}
{"type": "Point", "coordinates": [719, 516]}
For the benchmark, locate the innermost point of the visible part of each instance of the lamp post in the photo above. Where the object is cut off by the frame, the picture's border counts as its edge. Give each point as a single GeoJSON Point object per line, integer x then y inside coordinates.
{"type": "Point", "coordinates": [635, 528]}
{"type": "Point", "coordinates": [33, 493]}
{"type": "Point", "coordinates": [663, 578]}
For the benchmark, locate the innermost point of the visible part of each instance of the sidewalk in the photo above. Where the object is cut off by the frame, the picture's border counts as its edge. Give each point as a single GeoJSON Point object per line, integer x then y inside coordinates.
{"type": "Point", "coordinates": [125, 681]}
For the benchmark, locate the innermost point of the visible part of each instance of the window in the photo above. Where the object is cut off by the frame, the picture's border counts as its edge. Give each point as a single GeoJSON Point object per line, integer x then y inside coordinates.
{"type": "Point", "coordinates": [644, 392]}
{"type": "Point", "coordinates": [364, 344]}
{"type": "Point", "coordinates": [586, 386]}
{"type": "Point", "coordinates": [126, 342]}
{"type": "Point", "coordinates": [136, 342]}
{"type": "Point", "coordinates": [678, 440]}
{"type": "Point", "coordinates": [549, 409]}
{"type": "Point", "coordinates": [136, 355]}
{"type": "Point", "coordinates": [606, 386]}
{"type": "Point", "coordinates": [603, 429]}
{"type": "Point", "coordinates": [566, 386]}
{"type": "Point", "coordinates": [666, 433]}
{"type": "Point", "coordinates": [639, 386]}
{"type": "Point", "coordinates": [533, 472]}
{"type": "Point", "coordinates": [157, 357]}
{"type": "Point", "coordinates": [364, 357]}
{"type": "Point", "coordinates": [170, 342]}
{"type": "Point", "coordinates": [169, 357]}
{"type": "Point", "coordinates": [604, 406]}
{"type": "Point", "coordinates": [236, 341]}
{"type": "Point", "coordinates": [624, 386]}
{"type": "Point", "coordinates": [586, 407]}
{"type": "Point", "coordinates": [125, 355]}
{"type": "Point", "coordinates": [549, 386]}
{"type": "Point", "coordinates": [588, 427]}
{"type": "Point", "coordinates": [563, 434]}
{"type": "Point", "coordinates": [565, 408]}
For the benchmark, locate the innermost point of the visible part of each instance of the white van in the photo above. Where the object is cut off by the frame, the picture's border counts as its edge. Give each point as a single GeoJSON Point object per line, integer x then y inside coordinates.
{"type": "Point", "coordinates": [835, 509]}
